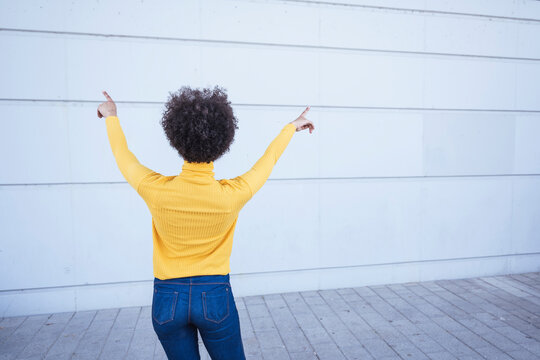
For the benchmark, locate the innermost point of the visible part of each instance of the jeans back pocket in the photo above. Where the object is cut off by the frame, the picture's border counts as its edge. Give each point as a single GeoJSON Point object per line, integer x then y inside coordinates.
{"type": "Point", "coordinates": [216, 304]}
{"type": "Point", "coordinates": [164, 305]}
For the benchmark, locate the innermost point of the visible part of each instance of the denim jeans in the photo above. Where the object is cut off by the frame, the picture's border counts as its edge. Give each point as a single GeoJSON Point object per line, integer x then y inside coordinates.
{"type": "Point", "coordinates": [180, 306]}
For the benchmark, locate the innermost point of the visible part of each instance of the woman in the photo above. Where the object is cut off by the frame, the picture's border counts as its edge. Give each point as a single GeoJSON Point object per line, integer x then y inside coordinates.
{"type": "Point", "coordinates": [194, 217]}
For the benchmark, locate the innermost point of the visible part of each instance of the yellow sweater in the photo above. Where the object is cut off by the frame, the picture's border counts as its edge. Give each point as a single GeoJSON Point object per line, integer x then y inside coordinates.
{"type": "Point", "coordinates": [193, 214]}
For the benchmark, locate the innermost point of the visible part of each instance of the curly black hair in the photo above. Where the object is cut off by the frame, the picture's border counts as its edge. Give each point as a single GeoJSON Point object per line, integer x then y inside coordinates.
{"type": "Point", "coordinates": [200, 124]}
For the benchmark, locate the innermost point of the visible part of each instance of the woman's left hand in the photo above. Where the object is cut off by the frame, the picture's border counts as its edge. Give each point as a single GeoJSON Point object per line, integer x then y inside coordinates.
{"type": "Point", "coordinates": [107, 108]}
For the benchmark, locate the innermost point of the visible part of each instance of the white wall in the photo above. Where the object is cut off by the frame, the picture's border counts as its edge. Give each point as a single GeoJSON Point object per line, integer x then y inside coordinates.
{"type": "Point", "coordinates": [425, 161]}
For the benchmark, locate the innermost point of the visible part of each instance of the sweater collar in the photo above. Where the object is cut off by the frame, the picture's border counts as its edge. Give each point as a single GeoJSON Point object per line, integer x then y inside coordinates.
{"type": "Point", "coordinates": [198, 168]}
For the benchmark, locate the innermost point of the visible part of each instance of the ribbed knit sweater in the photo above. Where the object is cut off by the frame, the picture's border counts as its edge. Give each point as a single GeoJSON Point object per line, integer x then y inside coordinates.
{"type": "Point", "coordinates": [193, 214]}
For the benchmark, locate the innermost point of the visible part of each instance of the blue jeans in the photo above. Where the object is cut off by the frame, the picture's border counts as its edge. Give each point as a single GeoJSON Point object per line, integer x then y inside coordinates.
{"type": "Point", "coordinates": [180, 306]}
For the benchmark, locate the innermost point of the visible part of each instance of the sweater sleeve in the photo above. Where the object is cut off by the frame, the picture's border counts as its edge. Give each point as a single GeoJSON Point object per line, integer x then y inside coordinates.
{"type": "Point", "coordinates": [132, 170]}
{"type": "Point", "coordinates": [261, 170]}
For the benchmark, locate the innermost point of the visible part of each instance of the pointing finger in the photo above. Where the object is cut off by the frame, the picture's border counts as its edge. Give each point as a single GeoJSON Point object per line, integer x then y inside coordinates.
{"type": "Point", "coordinates": [107, 96]}
{"type": "Point", "coordinates": [305, 111]}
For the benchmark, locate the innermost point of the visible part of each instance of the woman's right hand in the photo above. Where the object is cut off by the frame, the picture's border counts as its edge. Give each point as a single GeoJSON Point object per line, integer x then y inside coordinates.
{"type": "Point", "coordinates": [302, 123]}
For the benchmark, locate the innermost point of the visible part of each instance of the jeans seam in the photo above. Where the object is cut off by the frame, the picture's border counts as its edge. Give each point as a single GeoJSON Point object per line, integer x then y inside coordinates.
{"type": "Point", "coordinates": [189, 303]}
{"type": "Point", "coordinates": [189, 283]}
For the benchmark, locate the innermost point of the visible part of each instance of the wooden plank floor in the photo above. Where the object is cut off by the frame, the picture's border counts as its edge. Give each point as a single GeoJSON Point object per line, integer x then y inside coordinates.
{"type": "Point", "coordinates": [495, 317]}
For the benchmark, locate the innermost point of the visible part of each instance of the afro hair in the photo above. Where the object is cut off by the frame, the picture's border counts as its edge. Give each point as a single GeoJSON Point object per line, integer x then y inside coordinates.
{"type": "Point", "coordinates": [199, 124]}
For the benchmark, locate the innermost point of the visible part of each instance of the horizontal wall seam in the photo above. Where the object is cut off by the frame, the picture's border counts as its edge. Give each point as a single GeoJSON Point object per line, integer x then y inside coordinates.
{"type": "Point", "coordinates": [411, 177]}
{"type": "Point", "coordinates": [325, 107]}
{"type": "Point", "coordinates": [284, 271]}
{"type": "Point", "coordinates": [414, 11]}
{"type": "Point", "coordinates": [262, 44]}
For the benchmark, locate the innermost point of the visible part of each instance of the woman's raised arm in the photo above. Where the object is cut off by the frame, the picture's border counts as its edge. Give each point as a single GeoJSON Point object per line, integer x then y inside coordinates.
{"type": "Point", "coordinates": [132, 170]}
{"type": "Point", "coordinates": [261, 170]}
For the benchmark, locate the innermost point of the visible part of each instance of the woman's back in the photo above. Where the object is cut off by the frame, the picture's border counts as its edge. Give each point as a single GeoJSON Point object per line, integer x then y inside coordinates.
{"type": "Point", "coordinates": [193, 214]}
{"type": "Point", "coordinates": [193, 220]}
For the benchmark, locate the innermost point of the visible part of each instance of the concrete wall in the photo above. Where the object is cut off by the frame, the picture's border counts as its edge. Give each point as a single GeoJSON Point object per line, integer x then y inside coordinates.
{"type": "Point", "coordinates": [425, 161]}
